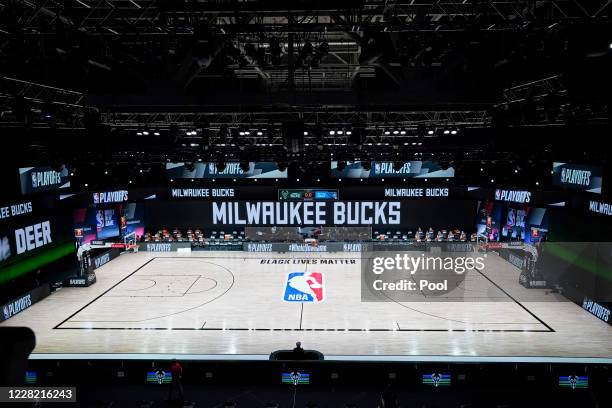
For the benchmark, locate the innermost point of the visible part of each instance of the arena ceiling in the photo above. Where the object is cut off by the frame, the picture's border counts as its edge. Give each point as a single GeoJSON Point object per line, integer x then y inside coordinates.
{"type": "Point", "coordinates": [380, 66]}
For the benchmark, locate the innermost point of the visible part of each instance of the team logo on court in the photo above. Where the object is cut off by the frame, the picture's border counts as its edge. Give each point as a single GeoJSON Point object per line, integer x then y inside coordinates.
{"type": "Point", "coordinates": [304, 287]}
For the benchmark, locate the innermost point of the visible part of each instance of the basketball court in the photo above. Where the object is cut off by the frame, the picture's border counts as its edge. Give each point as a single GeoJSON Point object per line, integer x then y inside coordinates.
{"type": "Point", "coordinates": [226, 305]}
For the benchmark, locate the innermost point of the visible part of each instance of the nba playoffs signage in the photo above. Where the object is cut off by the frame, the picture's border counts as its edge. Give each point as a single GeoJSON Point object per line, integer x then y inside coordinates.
{"type": "Point", "coordinates": [513, 196]}
{"type": "Point", "coordinates": [23, 302]}
{"type": "Point", "coordinates": [601, 311]}
{"type": "Point", "coordinates": [409, 169]}
{"type": "Point", "coordinates": [104, 258]}
{"type": "Point", "coordinates": [231, 170]}
{"type": "Point", "coordinates": [163, 246]}
{"type": "Point", "coordinates": [80, 281]}
{"type": "Point", "coordinates": [577, 177]}
{"type": "Point", "coordinates": [39, 179]}
{"type": "Point", "coordinates": [104, 197]}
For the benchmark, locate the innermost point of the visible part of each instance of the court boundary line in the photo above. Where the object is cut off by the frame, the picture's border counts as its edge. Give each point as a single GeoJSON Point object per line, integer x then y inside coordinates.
{"type": "Point", "coordinates": [57, 327]}
{"type": "Point", "coordinates": [550, 329]}
{"type": "Point", "coordinates": [102, 294]}
{"type": "Point", "coordinates": [300, 329]}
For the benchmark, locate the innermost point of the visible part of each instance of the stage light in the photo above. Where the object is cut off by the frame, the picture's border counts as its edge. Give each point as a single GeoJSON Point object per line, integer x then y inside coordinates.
{"type": "Point", "coordinates": [430, 132]}
{"type": "Point", "coordinates": [515, 170]}
{"type": "Point", "coordinates": [395, 132]}
{"type": "Point", "coordinates": [241, 133]}
{"type": "Point", "coordinates": [537, 183]}
{"type": "Point", "coordinates": [402, 132]}
{"type": "Point", "coordinates": [305, 133]}
{"type": "Point", "coordinates": [492, 180]}
{"type": "Point", "coordinates": [138, 133]}
{"type": "Point", "coordinates": [387, 132]}
{"type": "Point", "coordinates": [105, 171]}
{"type": "Point", "coordinates": [446, 131]}
{"type": "Point", "coordinates": [453, 132]}
{"type": "Point", "coordinates": [259, 133]}
{"type": "Point", "coordinates": [156, 133]}
{"type": "Point", "coordinates": [331, 132]}
{"type": "Point", "coordinates": [339, 132]}
{"type": "Point", "coordinates": [145, 133]}
{"type": "Point", "coordinates": [348, 132]}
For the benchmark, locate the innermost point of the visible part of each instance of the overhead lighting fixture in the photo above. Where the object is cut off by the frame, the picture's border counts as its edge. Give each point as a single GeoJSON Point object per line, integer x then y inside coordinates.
{"type": "Point", "coordinates": [430, 132]}
{"type": "Point", "coordinates": [331, 132]}
{"type": "Point", "coordinates": [145, 133]}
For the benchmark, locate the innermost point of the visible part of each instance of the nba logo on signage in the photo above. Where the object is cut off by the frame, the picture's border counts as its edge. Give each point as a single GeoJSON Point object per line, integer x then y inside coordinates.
{"type": "Point", "coordinates": [498, 194]}
{"type": "Point", "coordinates": [304, 287]}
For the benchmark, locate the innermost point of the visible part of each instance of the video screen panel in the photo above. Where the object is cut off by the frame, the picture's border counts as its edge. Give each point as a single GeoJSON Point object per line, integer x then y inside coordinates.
{"type": "Point", "coordinates": [96, 223]}
{"type": "Point", "coordinates": [32, 241]}
{"type": "Point", "coordinates": [578, 177]}
{"type": "Point", "coordinates": [209, 170]}
{"type": "Point", "coordinates": [378, 169]}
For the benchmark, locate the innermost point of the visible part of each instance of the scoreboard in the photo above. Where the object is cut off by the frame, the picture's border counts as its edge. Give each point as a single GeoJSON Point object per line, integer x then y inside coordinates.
{"type": "Point", "coordinates": [307, 194]}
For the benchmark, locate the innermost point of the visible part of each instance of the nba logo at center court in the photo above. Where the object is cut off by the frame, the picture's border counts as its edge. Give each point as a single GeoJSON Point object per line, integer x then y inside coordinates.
{"type": "Point", "coordinates": [304, 287]}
